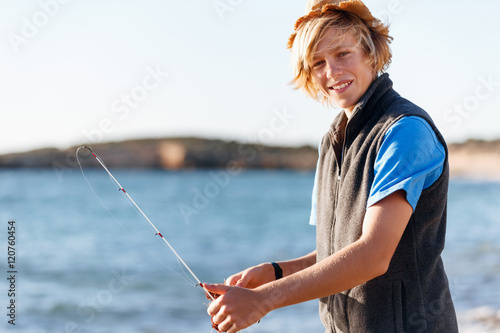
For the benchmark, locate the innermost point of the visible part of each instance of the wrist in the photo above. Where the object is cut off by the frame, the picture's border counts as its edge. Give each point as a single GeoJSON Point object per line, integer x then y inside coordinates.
{"type": "Point", "coordinates": [278, 272]}
{"type": "Point", "coordinates": [274, 294]}
{"type": "Point", "coordinates": [266, 302]}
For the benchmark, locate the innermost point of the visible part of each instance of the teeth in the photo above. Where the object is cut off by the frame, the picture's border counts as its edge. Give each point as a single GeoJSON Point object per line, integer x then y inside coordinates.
{"type": "Point", "coordinates": [341, 86]}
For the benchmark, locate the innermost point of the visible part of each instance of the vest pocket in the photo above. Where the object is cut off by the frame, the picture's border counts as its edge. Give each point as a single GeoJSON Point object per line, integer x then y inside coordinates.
{"type": "Point", "coordinates": [399, 306]}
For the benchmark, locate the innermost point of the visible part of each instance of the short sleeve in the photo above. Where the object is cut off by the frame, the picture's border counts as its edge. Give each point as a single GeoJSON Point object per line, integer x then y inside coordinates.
{"type": "Point", "coordinates": [411, 158]}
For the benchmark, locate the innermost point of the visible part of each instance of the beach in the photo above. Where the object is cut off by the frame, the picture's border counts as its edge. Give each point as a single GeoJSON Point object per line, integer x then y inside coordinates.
{"type": "Point", "coordinates": [475, 160]}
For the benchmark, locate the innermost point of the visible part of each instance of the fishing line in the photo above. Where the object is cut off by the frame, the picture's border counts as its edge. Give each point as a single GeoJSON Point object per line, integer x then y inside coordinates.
{"type": "Point", "coordinates": [139, 210]}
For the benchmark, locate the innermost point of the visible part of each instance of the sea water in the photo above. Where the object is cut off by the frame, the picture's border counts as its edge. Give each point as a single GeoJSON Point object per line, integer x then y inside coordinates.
{"type": "Point", "coordinates": [86, 261]}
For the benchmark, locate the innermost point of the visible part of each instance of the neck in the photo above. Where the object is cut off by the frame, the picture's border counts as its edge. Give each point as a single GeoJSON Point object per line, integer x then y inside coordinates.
{"type": "Point", "coordinates": [348, 112]}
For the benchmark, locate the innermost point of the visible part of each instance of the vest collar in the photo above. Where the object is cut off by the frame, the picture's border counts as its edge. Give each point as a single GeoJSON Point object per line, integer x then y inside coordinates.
{"type": "Point", "coordinates": [375, 91]}
{"type": "Point", "coordinates": [343, 127]}
{"type": "Point", "coordinates": [364, 108]}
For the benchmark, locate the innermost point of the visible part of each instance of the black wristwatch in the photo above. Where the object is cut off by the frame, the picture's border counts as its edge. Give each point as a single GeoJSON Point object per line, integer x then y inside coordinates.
{"type": "Point", "coordinates": [278, 272]}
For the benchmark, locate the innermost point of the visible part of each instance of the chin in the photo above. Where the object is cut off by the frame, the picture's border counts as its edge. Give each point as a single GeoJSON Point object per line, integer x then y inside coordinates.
{"type": "Point", "coordinates": [343, 105]}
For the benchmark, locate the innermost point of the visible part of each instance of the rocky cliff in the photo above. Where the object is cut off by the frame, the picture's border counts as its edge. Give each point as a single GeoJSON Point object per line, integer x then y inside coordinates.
{"type": "Point", "coordinates": [474, 158]}
{"type": "Point", "coordinates": [171, 153]}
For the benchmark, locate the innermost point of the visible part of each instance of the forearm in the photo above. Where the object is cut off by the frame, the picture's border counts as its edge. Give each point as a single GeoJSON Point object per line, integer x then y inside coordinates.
{"type": "Point", "coordinates": [293, 266]}
{"type": "Point", "coordinates": [264, 273]}
{"type": "Point", "coordinates": [341, 271]}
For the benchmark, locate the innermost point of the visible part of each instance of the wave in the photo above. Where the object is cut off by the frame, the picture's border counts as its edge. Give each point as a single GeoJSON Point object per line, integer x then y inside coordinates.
{"type": "Point", "coordinates": [483, 319]}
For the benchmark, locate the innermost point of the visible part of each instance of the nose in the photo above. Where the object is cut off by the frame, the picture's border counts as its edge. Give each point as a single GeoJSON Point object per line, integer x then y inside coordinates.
{"type": "Point", "coordinates": [333, 70]}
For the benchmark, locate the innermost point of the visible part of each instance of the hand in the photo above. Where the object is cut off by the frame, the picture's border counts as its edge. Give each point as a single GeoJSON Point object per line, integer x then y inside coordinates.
{"type": "Point", "coordinates": [252, 277]}
{"type": "Point", "coordinates": [237, 308]}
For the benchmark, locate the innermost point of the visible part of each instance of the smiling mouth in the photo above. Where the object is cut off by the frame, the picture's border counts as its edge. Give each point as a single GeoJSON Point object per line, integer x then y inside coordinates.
{"type": "Point", "coordinates": [341, 86]}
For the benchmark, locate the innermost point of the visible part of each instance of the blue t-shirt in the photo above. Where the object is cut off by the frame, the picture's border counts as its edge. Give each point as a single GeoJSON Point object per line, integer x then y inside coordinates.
{"type": "Point", "coordinates": [411, 158]}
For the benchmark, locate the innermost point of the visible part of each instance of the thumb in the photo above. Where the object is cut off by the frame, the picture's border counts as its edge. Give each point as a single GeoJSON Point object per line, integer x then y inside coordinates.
{"type": "Point", "coordinates": [219, 289]}
{"type": "Point", "coordinates": [244, 281]}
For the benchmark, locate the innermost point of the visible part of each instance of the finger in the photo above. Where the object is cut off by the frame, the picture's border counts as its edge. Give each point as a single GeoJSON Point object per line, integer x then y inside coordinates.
{"type": "Point", "coordinates": [226, 325]}
{"type": "Point", "coordinates": [243, 281]}
{"type": "Point", "coordinates": [213, 308]}
{"type": "Point", "coordinates": [233, 279]}
{"type": "Point", "coordinates": [218, 318]}
{"type": "Point", "coordinates": [248, 280]}
{"type": "Point", "coordinates": [220, 289]}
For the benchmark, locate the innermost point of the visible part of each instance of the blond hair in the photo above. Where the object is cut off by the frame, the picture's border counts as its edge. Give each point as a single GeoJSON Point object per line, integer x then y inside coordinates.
{"type": "Point", "coordinates": [373, 38]}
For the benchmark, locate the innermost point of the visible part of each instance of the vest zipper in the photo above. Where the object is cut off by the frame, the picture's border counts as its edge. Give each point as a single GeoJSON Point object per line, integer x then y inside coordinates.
{"type": "Point", "coordinates": [331, 300]}
{"type": "Point", "coordinates": [339, 163]}
{"type": "Point", "coordinates": [337, 190]}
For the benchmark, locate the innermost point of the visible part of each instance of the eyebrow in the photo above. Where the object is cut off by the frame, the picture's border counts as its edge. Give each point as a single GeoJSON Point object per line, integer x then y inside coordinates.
{"type": "Point", "coordinates": [334, 49]}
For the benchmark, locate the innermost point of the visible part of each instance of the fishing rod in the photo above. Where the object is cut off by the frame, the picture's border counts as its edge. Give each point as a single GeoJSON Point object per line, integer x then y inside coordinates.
{"type": "Point", "coordinates": [158, 233]}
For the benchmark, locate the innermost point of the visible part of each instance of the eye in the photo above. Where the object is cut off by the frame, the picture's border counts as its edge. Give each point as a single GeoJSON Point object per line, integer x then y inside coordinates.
{"type": "Point", "coordinates": [342, 54]}
{"type": "Point", "coordinates": [318, 63]}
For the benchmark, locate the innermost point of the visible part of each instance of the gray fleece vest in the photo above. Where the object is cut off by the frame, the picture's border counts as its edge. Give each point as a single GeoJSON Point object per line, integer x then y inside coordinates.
{"type": "Point", "coordinates": [413, 295]}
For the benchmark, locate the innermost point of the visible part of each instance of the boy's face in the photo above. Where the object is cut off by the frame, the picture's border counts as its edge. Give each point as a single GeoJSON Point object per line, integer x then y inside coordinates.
{"type": "Point", "coordinates": [341, 71]}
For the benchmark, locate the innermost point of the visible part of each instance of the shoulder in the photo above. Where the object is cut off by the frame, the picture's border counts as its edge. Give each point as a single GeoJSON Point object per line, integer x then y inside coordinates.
{"type": "Point", "coordinates": [411, 127]}
{"type": "Point", "coordinates": [410, 158]}
{"type": "Point", "coordinates": [405, 116]}
{"type": "Point", "coordinates": [397, 106]}
{"type": "Point", "coordinates": [412, 134]}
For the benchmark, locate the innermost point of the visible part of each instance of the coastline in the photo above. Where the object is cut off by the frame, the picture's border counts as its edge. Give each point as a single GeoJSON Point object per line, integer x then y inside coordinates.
{"type": "Point", "coordinates": [473, 159]}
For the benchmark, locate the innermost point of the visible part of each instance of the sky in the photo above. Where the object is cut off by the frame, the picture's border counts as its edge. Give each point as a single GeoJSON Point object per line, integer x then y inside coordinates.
{"type": "Point", "coordinates": [75, 71]}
